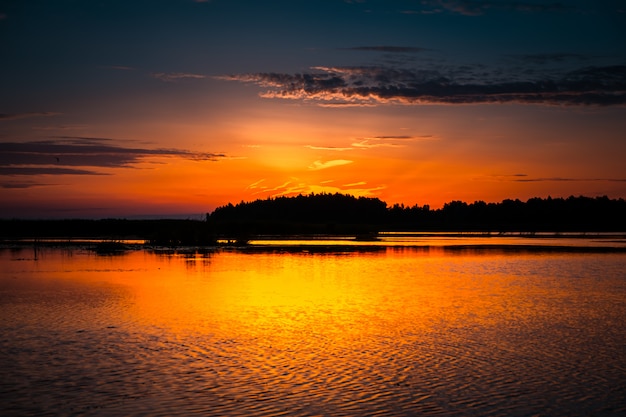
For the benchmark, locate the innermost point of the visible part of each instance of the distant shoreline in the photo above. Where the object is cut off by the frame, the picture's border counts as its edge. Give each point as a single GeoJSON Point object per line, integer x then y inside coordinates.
{"type": "Point", "coordinates": [576, 242]}
{"type": "Point", "coordinates": [360, 221]}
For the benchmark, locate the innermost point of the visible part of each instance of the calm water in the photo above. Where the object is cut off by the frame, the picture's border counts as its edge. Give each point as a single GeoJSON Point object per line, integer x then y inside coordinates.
{"type": "Point", "coordinates": [276, 332]}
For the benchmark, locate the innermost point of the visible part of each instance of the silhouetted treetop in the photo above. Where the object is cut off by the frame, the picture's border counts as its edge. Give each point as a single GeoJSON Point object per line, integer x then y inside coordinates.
{"type": "Point", "coordinates": [342, 214]}
{"type": "Point", "coordinates": [312, 208]}
{"type": "Point", "coordinates": [536, 214]}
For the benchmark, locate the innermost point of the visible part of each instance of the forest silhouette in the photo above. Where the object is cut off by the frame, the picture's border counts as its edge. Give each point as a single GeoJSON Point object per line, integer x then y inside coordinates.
{"type": "Point", "coordinates": [332, 213]}
{"type": "Point", "coordinates": [340, 214]}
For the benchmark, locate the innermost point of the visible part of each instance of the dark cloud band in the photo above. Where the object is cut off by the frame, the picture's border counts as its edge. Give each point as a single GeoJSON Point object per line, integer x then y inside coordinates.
{"type": "Point", "coordinates": [82, 156]}
{"type": "Point", "coordinates": [16, 116]}
{"type": "Point", "coordinates": [601, 86]}
{"type": "Point", "coordinates": [479, 7]}
{"type": "Point", "coordinates": [390, 49]}
{"type": "Point", "coordinates": [45, 171]}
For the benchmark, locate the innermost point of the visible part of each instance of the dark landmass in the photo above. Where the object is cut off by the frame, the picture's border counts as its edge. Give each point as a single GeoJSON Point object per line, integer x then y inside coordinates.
{"type": "Point", "coordinates": [339, 214]}
{"type": "Point", "coordinates": [344, 214]}
{"type": "Point", "coordinates": [165, 232]}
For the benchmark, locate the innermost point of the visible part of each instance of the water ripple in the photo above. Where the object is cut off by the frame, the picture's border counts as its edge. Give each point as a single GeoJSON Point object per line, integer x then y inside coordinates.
{"type": "Point", "coordinates": [439, 336]}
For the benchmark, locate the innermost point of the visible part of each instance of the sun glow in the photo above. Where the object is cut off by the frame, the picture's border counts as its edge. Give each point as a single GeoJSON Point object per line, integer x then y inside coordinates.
{"type": "Point", "coordinates": [251, 301]}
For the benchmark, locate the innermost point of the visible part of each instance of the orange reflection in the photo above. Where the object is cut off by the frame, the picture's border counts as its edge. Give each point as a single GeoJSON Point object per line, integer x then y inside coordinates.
{"type": "Point", "coordinates": [287, 298]}
{"type": "Point", "coordinates": [261, 294]}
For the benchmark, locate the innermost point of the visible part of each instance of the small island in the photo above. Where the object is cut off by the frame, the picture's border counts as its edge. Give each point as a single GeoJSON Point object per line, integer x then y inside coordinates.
{"type": "Point", "coordinates": [338, 215]}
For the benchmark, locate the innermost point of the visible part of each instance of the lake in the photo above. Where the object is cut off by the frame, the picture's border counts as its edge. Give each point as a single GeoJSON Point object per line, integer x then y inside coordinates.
{"type": "Point", "coordinates": [322, 329]}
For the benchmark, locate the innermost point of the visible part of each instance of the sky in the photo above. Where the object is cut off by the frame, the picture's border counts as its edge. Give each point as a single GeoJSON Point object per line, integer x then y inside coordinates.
{"type": "Point", "coordinates": [175, 107]}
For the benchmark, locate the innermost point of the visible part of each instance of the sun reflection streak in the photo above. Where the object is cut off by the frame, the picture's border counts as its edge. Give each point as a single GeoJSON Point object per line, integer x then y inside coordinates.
{"type": "Point", "coordinates": [273, 298]}
{"type": "Point", "coordinates": [317, 331]}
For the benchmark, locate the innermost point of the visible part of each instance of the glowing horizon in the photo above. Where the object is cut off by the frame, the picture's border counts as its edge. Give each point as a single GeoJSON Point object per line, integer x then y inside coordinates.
{"type": "Point", "coordinates": [427, 109]}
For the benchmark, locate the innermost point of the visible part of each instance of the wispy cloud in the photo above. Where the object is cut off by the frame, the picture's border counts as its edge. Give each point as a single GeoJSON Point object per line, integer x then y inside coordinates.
{"type": "Point", "coordinates": [343, 104]}
{"type": "Point", "coordinates": [119, 67]}
{"type": "Point", "coordinates": [395, 137]}
{"type": "Point", "coordinates": [480, 7]}
{"type": "Point", "coordinates": [507, 176]}
{"type": "Point", "coordinates": [367, 85]}
{"type": "Point", "coordinates": [389, 141]}
{"type": "Point", "coordinates": [565, 179]}
{"type": "Point", "coordinates": [61, 127]}
{"type": "Point", "coordinates": [381, 141]}
{"type": "Point", "coordinates": [21, 184]}
{"type": "Point", "coordinates": [295, 186]}
{"type": "Point", "coordinates": [389, 49]}
{"type": "Point", "coordinates": [68, 155]}
{"type": "Point", "coordinates": [318, 165]}
{"type": "Point", "coordinates": [168, 77]}
{"type": "Point", "coordinates": [15, 116]}
{"type": "Point", "coordinates": [541, 59]}
{"type": "Point", "coordinates": [256, 184]}
{"type": "Point", "coordinates": [176, 76]}
{"type": "Point", "coordinates": [287, 187]}
{"type": "Point", "coordinates": [45, 171]}
{"type": "Point", "coordinates": [373, 143]}
{"type": "Point", "coordinates": [528, 178]}
{"type": "Point", "coordinates": [328, 148]}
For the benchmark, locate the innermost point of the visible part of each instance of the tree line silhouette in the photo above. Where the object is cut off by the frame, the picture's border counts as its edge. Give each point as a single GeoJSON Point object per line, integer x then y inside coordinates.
{"type": "Point", "coordinates": [163, 232]}
{"type": "Point", "coordinates": [340, 214]}
{"type": "Point", "coordinates": [331, 213]}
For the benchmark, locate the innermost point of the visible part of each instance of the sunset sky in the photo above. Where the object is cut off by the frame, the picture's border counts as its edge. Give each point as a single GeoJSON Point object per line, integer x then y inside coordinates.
{"type": "Point", "coordinates": [175, 107]}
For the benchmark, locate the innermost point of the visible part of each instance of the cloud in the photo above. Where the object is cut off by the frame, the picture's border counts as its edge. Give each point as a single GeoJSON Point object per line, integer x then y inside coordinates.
{"type": "Point", "coordinates": [287, 84]}
{"type": "Point", "coordinates": [507, 176]}
{"type": "Point", "coordinates": [294, 186]}
{"type": "Point", "coordinates": [344, 104]}
{"type": "Point", "coordinates": [399, 137]}
{"type": "Point", "coordinates": [318, 165]}
{"type": "Point", "coordinates": [61, 127]}
{"type": "Point", "coordinates": [527, 178]}
{"type": "Point", "coordinates": [16, 185]}
{"type": "Point", "coordinates": [61, 155]}
{"type": "Point", "coordinates": [389, 49]}
{"type": "Point", "coordinates": [120, 67]}
{"type": "Point", "coordinates": [45, 171]}
{"type": "Point", "coordinates": [399, 56]}
{"type": "Point", "coordinates": [371, 85]}
{"type": "Point", "coordinates": [21, 184]}
{"type": "Point", "coordinates": [256, 184]}
{"type": "Point", "coordinates": [389, 141]}
{"type": "Point", "coordinates": [382, 141]}
{"type": "Point", "coordinates": [561, 179]}
{"type": "Point", "coordinates": [541, 59]}
{"type": "Point", "coordinates": [480, 7]}
{"type": "Point", "coordinates": [288, 187]}
{"type": "Point", "coordinates": [328, 148]}
{"type": "Point", "coordinates": [175, 76]}
{"type": "Point", "coordinates": [15, 116]}
{"type": "Point", "coordinates": [373, 143]}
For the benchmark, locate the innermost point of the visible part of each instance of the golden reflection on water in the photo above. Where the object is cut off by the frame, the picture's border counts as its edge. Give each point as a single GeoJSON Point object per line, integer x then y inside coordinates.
{"type": "Point", "coordinates": [395, 331]}
{"type": "Point", "coordinates": [339, 295]}
{"type": "Point", "coordinates": [263, 294]}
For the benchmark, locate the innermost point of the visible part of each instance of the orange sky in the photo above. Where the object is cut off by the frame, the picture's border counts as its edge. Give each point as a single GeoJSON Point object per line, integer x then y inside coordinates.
{"type": "Point", "coordinates": [204, 119]}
